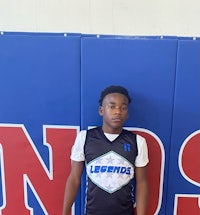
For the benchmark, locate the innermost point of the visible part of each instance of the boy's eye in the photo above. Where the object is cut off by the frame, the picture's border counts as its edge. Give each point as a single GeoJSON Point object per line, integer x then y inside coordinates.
{"type": "Point", "coordinates": [122, 108]}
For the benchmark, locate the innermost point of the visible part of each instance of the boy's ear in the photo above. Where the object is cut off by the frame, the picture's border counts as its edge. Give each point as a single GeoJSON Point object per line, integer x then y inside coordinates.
{"type": "Point", "coordinates": [100, 110]}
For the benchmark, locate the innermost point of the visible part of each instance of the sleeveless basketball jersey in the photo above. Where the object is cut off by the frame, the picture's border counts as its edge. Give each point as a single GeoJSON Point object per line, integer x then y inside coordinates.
{"type": "Point", "coordinates": [110, 171]}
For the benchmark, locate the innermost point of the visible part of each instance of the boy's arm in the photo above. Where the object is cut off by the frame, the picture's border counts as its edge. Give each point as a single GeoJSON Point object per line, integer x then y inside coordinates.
{"type": "Point", "coordinates": [72, 186]}
{"type": "Point", "coordinates": [141, 190]}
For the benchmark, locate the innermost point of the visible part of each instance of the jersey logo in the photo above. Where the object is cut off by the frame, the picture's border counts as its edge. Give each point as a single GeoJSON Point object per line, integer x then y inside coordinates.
{"type": "Point", "coordinates": [110, 171]}
{"type": "Point", "coordinates": [127, 147]}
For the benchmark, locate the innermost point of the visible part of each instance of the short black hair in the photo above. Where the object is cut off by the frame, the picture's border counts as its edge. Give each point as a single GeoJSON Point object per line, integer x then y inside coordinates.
{"type": "Point", "coordinates": [114, 89]}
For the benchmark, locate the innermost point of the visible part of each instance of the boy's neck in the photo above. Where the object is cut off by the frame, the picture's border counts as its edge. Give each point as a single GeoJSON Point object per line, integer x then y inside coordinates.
{"type": "Point", "coordinates": [112, 131]}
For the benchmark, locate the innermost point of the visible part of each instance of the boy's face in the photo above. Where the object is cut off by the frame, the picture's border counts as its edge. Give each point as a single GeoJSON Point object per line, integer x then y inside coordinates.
{"type": "Point", "coordinates": [114, 111]}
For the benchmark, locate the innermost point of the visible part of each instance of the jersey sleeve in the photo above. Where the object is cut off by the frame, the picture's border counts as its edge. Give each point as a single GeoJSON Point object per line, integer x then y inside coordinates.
{"type": "Point", "coordinates": [142, 157]}
{"type": "Point", "coordinates": [77, 153]}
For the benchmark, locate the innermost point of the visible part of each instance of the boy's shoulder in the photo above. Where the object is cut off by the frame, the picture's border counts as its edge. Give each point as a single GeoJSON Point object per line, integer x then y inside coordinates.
{"type": "Point", "coordinates": [129, 132]}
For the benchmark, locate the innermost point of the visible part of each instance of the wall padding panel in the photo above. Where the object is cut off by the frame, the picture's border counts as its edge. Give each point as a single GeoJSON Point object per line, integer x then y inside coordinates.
{"type": "Point", "coordinates": [147, 68]}
{"type": "Point", "coordinates": [184, 169]}
{"type": "Point", "coordinates": [40, 109]}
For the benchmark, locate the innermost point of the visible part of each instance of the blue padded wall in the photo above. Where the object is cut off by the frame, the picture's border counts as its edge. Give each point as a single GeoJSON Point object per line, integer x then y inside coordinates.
{"type": "Point", "coordinates": [39, 85]}
{"type": "Point", "coordinates": [56, 79]}
{"type": "Point", "coordinates": [186, 121]}
{"type": "Point", "coordinates": [147, 68]}
{"type": "Point", "coordinates": [38, 75]}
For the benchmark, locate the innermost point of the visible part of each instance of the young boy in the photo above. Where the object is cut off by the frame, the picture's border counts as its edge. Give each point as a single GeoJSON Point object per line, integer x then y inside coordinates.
{"type": "Point", "coordinates": [112, 156]}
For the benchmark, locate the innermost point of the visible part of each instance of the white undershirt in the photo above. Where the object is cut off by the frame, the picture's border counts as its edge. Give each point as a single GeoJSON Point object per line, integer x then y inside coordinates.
{"type": "Point", "coordinates": [111, 137]}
